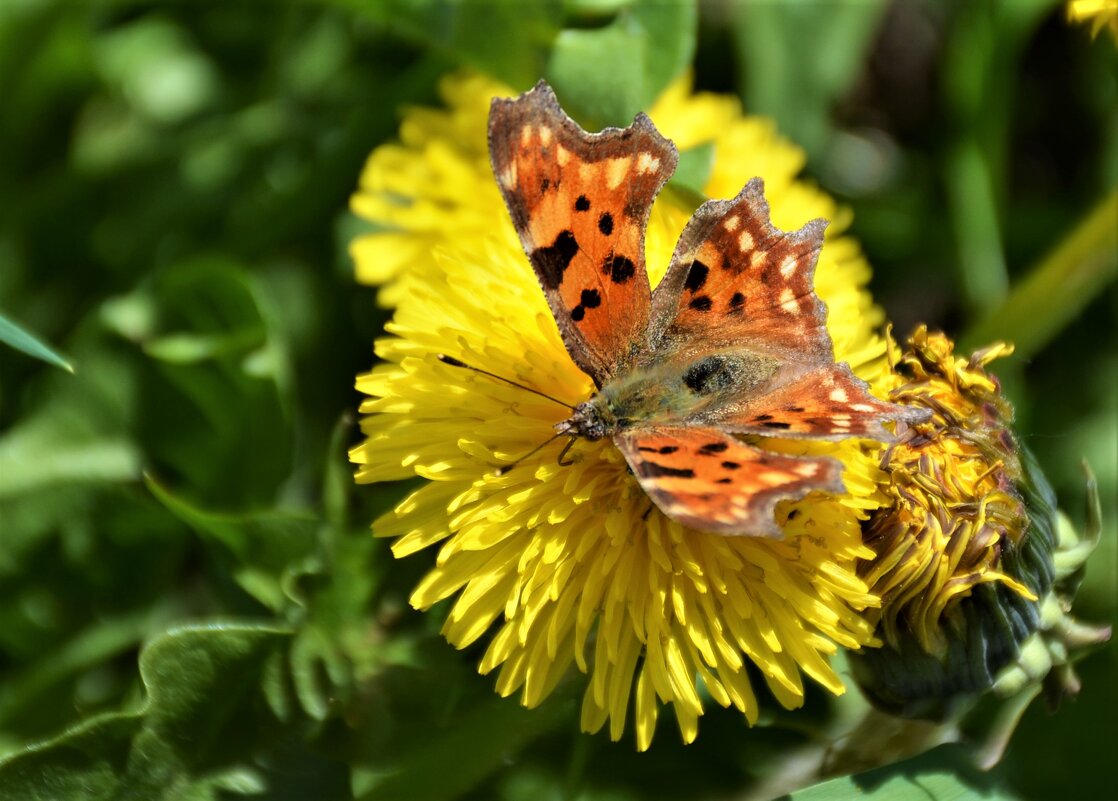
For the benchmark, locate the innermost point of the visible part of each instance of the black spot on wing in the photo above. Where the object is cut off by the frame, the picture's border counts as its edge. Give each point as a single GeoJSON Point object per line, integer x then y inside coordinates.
{"type": "Point", "coordinates": [737, 303]}
{"type": "Point", "coordinates": [724, 481]}
{"type": "Point", "coordinates": [701, 303]}
{"type": "Point", "coordinates": [776, 424]}
{"type": "Point", "coordinates": [552, 261]}
{"type": "Point", "coordinates": [605, 223]}
{"type": "Point", "coordinates": [712, 448]}
{"type": "Point", "coordinates": [731, 465]}
{"type": "Point", "coordinates": [589, 299]}
{"type": "Point", "coordinates": [619, 268]}
{"type": "Point", "coordinates": [582, 204]}
{"type": "Point", "coordinates": [696, 276]}
{"type": "Point", "coordinates": [654, 470]}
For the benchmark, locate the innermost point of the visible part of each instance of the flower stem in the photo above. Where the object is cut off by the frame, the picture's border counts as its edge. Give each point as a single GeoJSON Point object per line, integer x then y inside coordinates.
{"type": "Point", "coordinates": [1058, 288]}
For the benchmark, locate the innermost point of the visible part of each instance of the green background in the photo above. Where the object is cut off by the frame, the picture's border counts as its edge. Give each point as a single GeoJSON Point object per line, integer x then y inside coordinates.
{"type": "Point", "coordinates": [173, 221]}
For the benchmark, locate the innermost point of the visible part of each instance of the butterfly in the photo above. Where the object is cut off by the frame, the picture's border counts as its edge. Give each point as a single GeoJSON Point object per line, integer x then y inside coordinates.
{"type": "Point", "coordinates": [732, 342]}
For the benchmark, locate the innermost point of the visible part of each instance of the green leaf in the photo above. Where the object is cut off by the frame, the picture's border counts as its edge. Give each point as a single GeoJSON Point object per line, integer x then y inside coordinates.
{"type": "Point", "coordinates": [258, 547]}
{"type": "Point", "coordinates": [77, 431]}
{"type": "Point", "coordinates": [455, 758]}
{"type": "Point", "coordinates": [191, 348]}
{"type": "Point", "coordinates": [604, 76]}
{"type": "Point", "coordinates": [23, 340]}
{"type": "Point", "coordinates": [797, 59]}
{"type": "Point", "coordinates": [507, 39]}
{"type": "Point", "coordinates": [27, 461]}
{"type": "Point", "coordinates": [1058, 288]}
{"type": "Point", "coordinates": [925, 787]}
{"type": "Point", "coordinates": [218, 403]}
{"type": "Point", "coordinates": [694, 168]}
{"type": "Point", "coordinates": [196, 734]}
{"type": "Point", "coordinates": [942, 774]}
{"type": "Point", "coordinates": [89, 647]}
{"type": "Point", "coordinates": [982, 61]}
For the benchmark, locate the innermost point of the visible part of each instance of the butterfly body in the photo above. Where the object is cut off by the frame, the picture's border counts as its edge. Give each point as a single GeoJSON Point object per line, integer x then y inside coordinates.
{"type": "Point", "coordinates": [670, 392]}
{"type": "Point", "coordinates": [733, 340]}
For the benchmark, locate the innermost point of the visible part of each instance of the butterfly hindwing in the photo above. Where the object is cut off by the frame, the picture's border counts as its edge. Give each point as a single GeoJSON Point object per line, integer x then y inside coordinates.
{"type": "Point", "coordinates": [580, 203]}
{"type": "Point", "coordinates": [827, 403]}
{"type": "Point", "coordinates": [705, 478]}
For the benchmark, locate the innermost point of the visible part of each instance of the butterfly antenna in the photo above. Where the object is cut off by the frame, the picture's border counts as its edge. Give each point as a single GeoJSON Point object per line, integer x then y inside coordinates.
{"type": "Point", "coordinates": [505, 468]}
{"type": "Point", "coordinates": [455, 363]}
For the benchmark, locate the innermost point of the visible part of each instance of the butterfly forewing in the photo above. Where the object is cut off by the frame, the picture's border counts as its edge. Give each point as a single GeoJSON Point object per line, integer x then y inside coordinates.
{"type": "Point", "coordinates": [580, 203]}
{"type": "Point", "coordinates": [707, 479]}
{"type": "Point", "coordinates": [735, 278]}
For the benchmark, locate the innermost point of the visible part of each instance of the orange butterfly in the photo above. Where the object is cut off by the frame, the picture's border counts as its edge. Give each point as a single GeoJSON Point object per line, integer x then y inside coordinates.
{"type": "Point", "coordinates": [733, 340]}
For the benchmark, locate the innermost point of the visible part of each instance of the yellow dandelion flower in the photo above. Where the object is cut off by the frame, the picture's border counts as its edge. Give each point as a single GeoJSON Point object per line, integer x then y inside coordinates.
{"type": "Point", "coordinates": [565, 566]}
{"type": "Point", "coordinates": [1101, 13]}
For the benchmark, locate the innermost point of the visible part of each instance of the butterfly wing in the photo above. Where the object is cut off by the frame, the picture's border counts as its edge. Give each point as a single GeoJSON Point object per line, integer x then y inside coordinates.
{"type": "Point", "coordinates": [827, 402]}
{"type": "Point", "coordinates": [734, 277]}
{"type": "Point", "coordinates": [709, 480]}
{"type": "Point", "coordinates": [580, 203]}
{"type": "Point", "coordinates": [737, 282]}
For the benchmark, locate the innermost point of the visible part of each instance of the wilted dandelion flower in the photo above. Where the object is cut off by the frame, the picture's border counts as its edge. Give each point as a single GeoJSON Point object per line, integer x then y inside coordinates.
{"type": "Point", "coordinates": [965, 550]}
{"type": "Point", "coordinates": [570, 565]}
{"type": "Point", "coordinates": [955, 510]}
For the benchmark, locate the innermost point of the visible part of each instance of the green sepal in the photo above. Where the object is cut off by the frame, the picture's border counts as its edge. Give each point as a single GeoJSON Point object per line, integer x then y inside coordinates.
{"type": "Point", "coordinates": [986, 629]}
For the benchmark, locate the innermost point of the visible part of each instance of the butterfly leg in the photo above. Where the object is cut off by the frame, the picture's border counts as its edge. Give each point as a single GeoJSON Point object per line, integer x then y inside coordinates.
{"type": "Point", "coordinates": [563, 461]}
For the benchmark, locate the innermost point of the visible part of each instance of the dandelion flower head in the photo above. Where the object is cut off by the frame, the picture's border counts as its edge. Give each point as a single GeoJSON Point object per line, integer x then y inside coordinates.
{"type": "Point", "coordinates": [560, 566]}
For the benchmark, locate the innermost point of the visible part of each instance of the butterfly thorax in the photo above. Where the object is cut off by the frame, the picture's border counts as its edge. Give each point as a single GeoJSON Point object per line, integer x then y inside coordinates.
{"type": "Point", "coordinates": [682, 392]}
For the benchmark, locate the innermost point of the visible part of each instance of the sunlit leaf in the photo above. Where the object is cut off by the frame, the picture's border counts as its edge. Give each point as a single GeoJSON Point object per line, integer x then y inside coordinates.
{"type": "Point", "coordinates": [645, 46]}
{"type": "Point", "coordinates": [940, 775]}
{"type": "Point", "coordinates": [23, 340]}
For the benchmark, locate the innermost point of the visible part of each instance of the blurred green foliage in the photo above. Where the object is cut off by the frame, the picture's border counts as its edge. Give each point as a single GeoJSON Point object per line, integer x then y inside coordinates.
{"type": "Point", "coordinates": [190, 603]}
